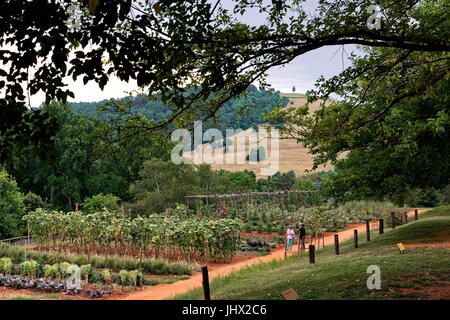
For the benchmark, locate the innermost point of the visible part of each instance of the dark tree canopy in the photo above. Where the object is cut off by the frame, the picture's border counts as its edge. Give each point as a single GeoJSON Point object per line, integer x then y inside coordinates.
{"type": "Point", "coordinates": [169, 45]}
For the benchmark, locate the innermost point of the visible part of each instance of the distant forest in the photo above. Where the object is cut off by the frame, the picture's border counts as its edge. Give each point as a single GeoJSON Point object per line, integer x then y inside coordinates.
{"type": "Point", "coordinates": [240, 113]}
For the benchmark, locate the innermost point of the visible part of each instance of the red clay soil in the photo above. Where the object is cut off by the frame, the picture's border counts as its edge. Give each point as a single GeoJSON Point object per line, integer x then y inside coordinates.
{"type": "Point", "coordinates": [168, 291]}
{"type": "Point", "coordinates": [434, 244]}
{"type": "Point", "coordinates": [431, 292]}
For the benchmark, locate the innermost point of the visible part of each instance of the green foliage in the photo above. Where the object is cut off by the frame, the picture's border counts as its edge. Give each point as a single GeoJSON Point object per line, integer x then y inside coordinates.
{"type": "Point", "coordinates": [80, 170]}
{"type": "Point", "coordinates": [207, 62]}
{"type": "Point", "coordinates": [382, 141]}
{"type": "Point", "coordinates": [33, 201]}
{"type": "Point", "coordinates": [6, 266]}
{"type": "Point", "coordinates": [29, 268]}
{"type": "Point", "coordinates": [51, 271]}
{"type": "Point", "coordinates": [106, 276]}
{"type": "Point", "coordinates": [81, 260]}
{"type": "Point", "coordinates": [12, 208]}
{"type": "Point", "coordinates": [100, 202]}
{"type": "Point", "coordinates": [200, 238]}
{"type": "Point", "coordinates": [304, 183]}
{"type": "Point", "coordinates": [161, 184]}
{"type": "Point", "coordinates": [63, 267]}
{"type": "Point", "coordinates": [124, 278]}
{"type": "Point", "coordinates": [86, 271]}
{"type": "Point", "coordinates": [428, 198]}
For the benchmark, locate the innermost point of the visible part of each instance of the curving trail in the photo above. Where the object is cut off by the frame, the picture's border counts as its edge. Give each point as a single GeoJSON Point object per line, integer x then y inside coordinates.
{"type": "Point", "coordinates": [168, 291]}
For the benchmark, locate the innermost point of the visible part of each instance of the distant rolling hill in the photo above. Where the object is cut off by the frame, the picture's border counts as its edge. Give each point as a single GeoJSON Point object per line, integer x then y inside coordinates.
{"type": "Point", "coordinates": [292, 156]}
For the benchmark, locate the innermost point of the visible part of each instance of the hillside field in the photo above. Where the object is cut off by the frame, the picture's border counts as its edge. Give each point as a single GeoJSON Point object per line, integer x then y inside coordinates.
{"type": "Point", "coordinates": [292, 155]}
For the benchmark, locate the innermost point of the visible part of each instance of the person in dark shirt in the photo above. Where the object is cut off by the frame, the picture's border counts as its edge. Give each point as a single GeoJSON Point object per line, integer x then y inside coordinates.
{"type": "Point", "coordinates": [302, 235]}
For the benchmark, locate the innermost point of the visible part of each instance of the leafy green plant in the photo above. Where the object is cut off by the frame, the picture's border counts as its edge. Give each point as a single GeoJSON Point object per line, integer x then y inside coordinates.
{"type": "Point", "coordinates": [86, 270]}
{"type": "Point", "coordinates": [6, 266]}
{"type": "Point", "coordinates": [124, 278]}
{"type": "Point", "coordinates": [80, 260]}
{"type": "Point", "coordinates": [133, 277]}
{"type": "Point", "coordinates": [51, 271]}
{"type": "Point", "coordinates": [106, 276]}
{"type": "Point", "coordinates": [29, 268]}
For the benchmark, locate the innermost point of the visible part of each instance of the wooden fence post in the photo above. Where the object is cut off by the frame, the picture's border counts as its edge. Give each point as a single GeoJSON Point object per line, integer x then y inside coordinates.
{"type": "Point", "coordinates": [355, 237]}
{"type": "Point", "coordinates": [416, 214]}
{"type": "Point", "coordinates": [368, 229]}
{"type": "Point", "coordinates": [206, 283]}
{"type": "Point", "coordinates": [312, 256]}
{"type": "Point", "coordinates": [381, 226]}
{"type": "Point", "coordinates": [336, 244]}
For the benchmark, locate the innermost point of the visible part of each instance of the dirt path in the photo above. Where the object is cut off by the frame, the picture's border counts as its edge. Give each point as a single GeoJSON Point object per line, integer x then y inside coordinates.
{"type": "Point", "coordinates": [168, 291]}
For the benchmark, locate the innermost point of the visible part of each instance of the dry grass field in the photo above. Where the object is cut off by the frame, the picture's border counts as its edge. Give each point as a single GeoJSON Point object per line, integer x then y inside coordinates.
{"type": "Point", "coordinates": [292, 156]}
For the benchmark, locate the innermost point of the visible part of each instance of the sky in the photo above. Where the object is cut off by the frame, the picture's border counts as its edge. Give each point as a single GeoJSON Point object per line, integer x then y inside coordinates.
{"type": "Point", "coordinates": [301, 72]}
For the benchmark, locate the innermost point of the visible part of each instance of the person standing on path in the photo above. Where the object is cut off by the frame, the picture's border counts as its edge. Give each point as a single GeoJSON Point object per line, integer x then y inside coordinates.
{"type": "Point", "coordinates": [290, 236]}
{"type": "Point", "coordinates": [302, 236]}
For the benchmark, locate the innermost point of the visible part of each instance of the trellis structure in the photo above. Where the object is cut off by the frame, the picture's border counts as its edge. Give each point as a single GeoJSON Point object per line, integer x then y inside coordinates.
{"type": "Point", "coordinates": [236, 200]}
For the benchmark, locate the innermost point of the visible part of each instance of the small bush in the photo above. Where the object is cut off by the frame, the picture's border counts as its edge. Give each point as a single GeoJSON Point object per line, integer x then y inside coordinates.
{"type": "Point", "coordinates": [29, 268]}
{"type": "Point", "coordinates": [52, 258]}
{"type": "Point", "coordinates": [133, 277]}
{"type": "Point", "coordinates": [106, 276]}
{"type": "Point", "coordinates": [124, 278]}
{"type": "Point", "coordinates": [6, 266]}
{"type": "Point", "coordinates": [63, 267]}
{"type": "Point", "coordinates": [96, 277]}
{"type": "Point", "coordinates": [179, 269]}
{"type": "Point", "coordinates": [97, 262]}
{"type": "Point", "coordinates": [80, 260]}
{"type": "Point", "coordinates": [131, 264]}
{"type": "Point", "coordinates": [51, 271]}
{"type": "Point", "coordinates": [86, 271]}
{"type": "Point", "coordinates": [428, 198]}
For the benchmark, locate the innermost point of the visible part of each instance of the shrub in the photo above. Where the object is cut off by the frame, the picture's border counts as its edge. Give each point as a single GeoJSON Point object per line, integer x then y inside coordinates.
{"type": "Point", "coordinates": [16, 254]}
{"type": "Point", "coordinates": [6, 266]}
{"type": "Point", "coordinates": [63, 267]}
{"type": "Point", "coordinates": [29, 268]}
{"type": "Point", "coordinates": [97, 262]}
{"type": "Point", "coordinates": [52, 258]}
{"type": "Point", "coordinates": [158, 267]}
{"type": "Point", "coordinates": [131, 264]}
{"type": "Point", "coordinates": [124, 277]}
{"type": "Point", "coordinates": [51, 271]}
{"type": "Point", "coordinates": [86, 271]}
{"type": "Point", "coordinates": [100, 202]}
{"type": "Point", "coordinates": [106, 276]}
{"type": "Point", "coordinates": [133, 277]}
{"type": "Point", "coordinates": [96, 277]}
{"type": "Point", "coordinates": [80, 260]}
{"type": "Point", "coordinates": [428, 198]}
{"type": "Point", "coordinates": [179, 269]}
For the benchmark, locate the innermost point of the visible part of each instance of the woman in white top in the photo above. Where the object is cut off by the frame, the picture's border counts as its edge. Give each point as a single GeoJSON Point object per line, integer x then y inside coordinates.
{"type": "Point", "coordinates": [290, 236]}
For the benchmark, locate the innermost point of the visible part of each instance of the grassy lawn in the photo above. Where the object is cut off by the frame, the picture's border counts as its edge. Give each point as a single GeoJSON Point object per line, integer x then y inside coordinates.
{"type": "Point", "coordinates": [344, 276]}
